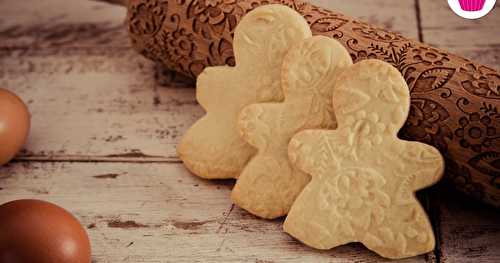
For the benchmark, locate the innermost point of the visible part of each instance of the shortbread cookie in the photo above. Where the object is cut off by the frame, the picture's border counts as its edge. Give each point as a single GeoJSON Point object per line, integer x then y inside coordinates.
{"type": "Point", "coordinates": [212, 147]}
{"type": "Point", "coordinates": [363, 176]}
{"type": "Point", "coordinates": [269, 184]}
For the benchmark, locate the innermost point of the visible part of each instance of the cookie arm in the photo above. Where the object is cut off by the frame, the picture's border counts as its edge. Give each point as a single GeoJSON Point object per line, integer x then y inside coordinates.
{"type": "Point", "coordinates": [304, 151]}
{"type": "Point", "coordinates": [210, 90]}
{"type": "Point", "coordinates": [423, 164]}
{"type": "Point", "coordinates": [256, 123]}
{"type": "Point", "coordinates": [407, 234]}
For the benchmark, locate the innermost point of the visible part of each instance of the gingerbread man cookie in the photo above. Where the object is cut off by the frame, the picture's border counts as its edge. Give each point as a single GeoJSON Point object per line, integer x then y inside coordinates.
{"type": "Point", "coordinates": [212, 147]}
{"type": "Point", "coordinates": [269, 184]}
{"type": "Point", "coordinates": [363, 176]}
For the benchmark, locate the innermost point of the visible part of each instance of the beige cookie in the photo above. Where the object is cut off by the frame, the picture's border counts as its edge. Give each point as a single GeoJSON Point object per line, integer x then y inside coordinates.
{"type": "Point", "coordinates": [363, 176]}
{"type": "Point", "coordinates": [269, 184]}
{"type": "Point", "coordinates": [212, 147]}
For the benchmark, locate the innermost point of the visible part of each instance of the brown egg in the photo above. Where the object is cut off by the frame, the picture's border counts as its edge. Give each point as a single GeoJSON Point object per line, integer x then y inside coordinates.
{"type": "Point", "coordinates": [33, 231]}
{"type": "Point", "coordinates": [14, 125]}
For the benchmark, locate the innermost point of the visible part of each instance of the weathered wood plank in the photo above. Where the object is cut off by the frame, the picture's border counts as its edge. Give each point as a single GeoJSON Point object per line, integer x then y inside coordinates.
{"type": "Point", "coordinates": [98, 103]}
{"type": "Point", "coordinates": [470, 232]}
{"type": "Point", "coordinates": [478, 40]}
{"type": "Point", "coordinates": [94, 99]}
{"type": "Point", "coordinates": [59, 23]}
{"type": "Point", "coordinates": [161, 213]}
{"type": "Point", "coordinates": [90, 94]}
{"type": "Point", "coordinates": [91, 97]}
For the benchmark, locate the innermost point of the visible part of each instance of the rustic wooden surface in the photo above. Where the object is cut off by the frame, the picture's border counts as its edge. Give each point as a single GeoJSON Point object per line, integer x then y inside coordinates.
{"type": "Point", "coordinates": [106, 122]}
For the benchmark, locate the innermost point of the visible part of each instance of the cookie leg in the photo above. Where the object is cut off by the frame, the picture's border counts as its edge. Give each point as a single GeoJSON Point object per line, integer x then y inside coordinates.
{"type": "Point", "coordinates": [314, 224]}
{"type": "Point", "coordinates": [407, 236]}
{"type": "Point", "coordinates": [314, 233]}
{"type": "Point", "coordinates": [268, 186]}
{"type": "Point", "coordinates": [209, 154]}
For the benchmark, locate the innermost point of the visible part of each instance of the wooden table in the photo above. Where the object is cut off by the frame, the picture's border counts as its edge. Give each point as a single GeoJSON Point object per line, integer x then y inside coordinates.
{"type": "Point", "coordinates": [106, 122]}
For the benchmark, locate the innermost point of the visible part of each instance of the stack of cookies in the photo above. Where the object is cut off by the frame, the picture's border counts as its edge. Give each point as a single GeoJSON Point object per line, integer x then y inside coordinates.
{"type": "Point", "coordinates": [309, 135]}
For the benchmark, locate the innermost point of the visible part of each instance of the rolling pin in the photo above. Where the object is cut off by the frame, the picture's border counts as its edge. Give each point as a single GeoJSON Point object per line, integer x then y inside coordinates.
{"type": "Point", "coordinates": [455, 103]}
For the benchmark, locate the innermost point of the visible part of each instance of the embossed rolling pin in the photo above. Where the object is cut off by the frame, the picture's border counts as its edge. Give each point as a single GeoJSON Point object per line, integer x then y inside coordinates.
{"type": "Point", "coordinates": [455, 102]}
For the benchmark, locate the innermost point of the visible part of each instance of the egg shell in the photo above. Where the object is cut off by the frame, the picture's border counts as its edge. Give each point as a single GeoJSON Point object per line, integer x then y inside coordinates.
{"type": "Point", "coordinates": [37, 231]}
{"type": "Point", "coordinates": [14, 125]}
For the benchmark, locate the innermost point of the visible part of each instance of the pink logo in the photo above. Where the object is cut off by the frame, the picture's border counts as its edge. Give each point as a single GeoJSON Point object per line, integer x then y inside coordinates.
{"type": "Point", "coordinates": [472, 5]}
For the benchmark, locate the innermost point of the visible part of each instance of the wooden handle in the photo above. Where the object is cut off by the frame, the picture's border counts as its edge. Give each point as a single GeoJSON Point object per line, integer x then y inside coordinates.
{"type": "Point", "coordinates": [455, 102]}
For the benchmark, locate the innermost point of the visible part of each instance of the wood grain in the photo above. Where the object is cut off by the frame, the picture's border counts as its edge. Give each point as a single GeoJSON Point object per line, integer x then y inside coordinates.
{"type": "Point", "coordinates": [98, 103]}
{"type": "Point", "coordinates": [55, 23]}
{"type": "Point", "coordinates": [478, 40]}
{"type": "Point", "coordinates": [161, 213]}
{"type": "Point", "coordinates": [470, 232]}
{"type": "Point", "coordinates": [454, 101]}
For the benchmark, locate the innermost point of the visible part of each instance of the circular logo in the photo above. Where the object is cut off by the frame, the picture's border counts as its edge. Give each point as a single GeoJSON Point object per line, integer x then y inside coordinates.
{"type": "Point", "coordinates": [471, 9]}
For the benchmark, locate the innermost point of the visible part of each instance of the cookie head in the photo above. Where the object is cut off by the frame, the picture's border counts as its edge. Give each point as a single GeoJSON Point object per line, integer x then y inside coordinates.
{"type": "Point", "coordinates": [212, 148]}
{"type": "Point", "coordinates": [374, 91]}
{"type": "Point", "coordinates": [312, 66]}
{"type": "Point", "coordinates": [252, 40]}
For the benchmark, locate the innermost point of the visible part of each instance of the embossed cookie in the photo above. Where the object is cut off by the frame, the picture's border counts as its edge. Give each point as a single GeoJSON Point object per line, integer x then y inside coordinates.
{"type": "Point", "coordinates": [363, 176]}
{"type": "Point", "coordinates": [212, 147]}
{"type": "Point", "coordinates": [269, 184]}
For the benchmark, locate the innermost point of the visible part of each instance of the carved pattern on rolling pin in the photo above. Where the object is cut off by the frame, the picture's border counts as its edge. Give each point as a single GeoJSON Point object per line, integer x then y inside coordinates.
{"type": "Point", "coordinates": [189, 35]}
